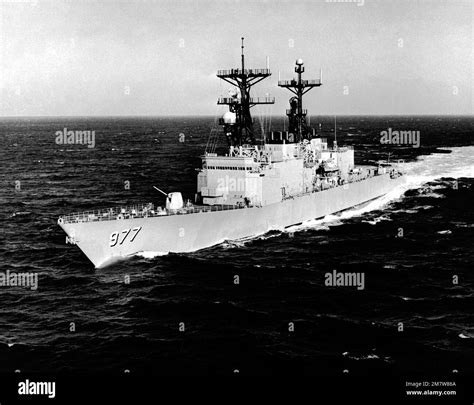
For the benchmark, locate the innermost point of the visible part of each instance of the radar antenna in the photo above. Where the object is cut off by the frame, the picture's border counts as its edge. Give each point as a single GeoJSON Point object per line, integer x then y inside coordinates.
{"type": "Point", "coordinates": [296, 114]}
{"type": "Point", "coordinates": [238, 122]}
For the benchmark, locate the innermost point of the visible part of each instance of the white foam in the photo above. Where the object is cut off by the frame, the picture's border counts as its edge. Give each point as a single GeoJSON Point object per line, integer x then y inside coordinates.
{"type": "Point", "coordinates": [238, 243]}
{"type": "Point", "coordinates": [375, 221]}
{"type": "Point", "coordinates": [447, 232]}
{"type": "Point", "coordinates": [458, 163]}
{"type": "Point", "coordinates": [151, 254]}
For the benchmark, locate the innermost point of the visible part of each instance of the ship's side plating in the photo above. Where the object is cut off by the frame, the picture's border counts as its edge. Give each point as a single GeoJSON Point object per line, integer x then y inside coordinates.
{"type": "Point", "coordinates": [191, 232]}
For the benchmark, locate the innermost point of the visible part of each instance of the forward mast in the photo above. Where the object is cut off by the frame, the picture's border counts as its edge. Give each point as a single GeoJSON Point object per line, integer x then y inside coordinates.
{"type": "Point", "coordinates": [238, 122]}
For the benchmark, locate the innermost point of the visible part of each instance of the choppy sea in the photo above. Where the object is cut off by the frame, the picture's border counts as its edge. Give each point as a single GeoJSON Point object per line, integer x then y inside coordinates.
{"type": "Point", "coordinates": [415, 313]}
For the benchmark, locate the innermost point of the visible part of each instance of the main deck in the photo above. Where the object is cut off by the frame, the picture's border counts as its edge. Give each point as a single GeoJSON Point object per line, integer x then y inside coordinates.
{"type": "Point", "coordinates": [150, 211]}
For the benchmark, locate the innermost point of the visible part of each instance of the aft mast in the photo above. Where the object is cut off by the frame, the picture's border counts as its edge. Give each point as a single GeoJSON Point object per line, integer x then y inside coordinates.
{"type": "Point", "coordinates": [237, 122]}
{"type": "Point", "coordinates": [296, 114]}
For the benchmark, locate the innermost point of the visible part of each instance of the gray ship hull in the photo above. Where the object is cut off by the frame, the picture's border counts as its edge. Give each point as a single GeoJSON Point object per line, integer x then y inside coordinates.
{"type": "Point", "coordinates": [191, 232]}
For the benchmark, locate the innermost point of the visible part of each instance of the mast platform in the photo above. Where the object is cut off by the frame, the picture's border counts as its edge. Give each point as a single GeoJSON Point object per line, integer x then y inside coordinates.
{"type": "Point", "coordinates": [232, 73]}
{"type": "Point", "coordinates": [304, 83]}
{"type": "Point", "coordinates": [252, 100]}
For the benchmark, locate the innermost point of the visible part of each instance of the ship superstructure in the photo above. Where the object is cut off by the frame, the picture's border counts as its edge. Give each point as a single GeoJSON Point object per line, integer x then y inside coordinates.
{"type": "Point", "coordinates": [290, 177]}
{"type": "Point", "coordinates": [287, 164]}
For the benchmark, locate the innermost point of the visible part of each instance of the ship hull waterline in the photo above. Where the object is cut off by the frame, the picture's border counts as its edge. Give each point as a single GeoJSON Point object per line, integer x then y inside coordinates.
{"type": "Point", "coordinates": [191, 232]}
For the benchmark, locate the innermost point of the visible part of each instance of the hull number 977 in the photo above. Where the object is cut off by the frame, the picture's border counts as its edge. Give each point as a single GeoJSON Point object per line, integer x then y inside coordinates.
{"type": "Point", "coordinates": [119, 237]}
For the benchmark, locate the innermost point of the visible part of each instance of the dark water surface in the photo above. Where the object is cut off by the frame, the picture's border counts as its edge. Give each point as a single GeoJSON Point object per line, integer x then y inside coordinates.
{"type": "Point", "coordinates": [135, 326]}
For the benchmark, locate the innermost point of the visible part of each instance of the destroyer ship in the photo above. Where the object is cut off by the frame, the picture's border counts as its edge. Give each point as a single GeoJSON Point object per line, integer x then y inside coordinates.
{"type": "Point", "coordinates": [284, 179]}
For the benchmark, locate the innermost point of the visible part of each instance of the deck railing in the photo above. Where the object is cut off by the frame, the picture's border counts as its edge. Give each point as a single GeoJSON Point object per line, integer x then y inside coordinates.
{"type": "Point", "coordinates": [252, 100]}
{"type": "Point", "coordinates": [140, 211]}
{"type": "Point", "coordinates": [294, 82]}
{"type": "Point", "coordinates": [250, 72]}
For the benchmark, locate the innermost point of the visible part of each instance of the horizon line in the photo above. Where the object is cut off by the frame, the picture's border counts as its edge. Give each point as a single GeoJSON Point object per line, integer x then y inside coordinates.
{"type": "Point", "coordinates": [213, 116]}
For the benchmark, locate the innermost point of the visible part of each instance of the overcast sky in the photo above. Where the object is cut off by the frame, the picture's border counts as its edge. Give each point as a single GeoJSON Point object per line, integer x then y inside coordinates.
{"type": "Point", "coordinates": [137, 57]}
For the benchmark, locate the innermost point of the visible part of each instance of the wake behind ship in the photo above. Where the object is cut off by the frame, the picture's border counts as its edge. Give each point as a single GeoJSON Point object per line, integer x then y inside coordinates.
{"type": "Point", "coordinates": [288, 178]}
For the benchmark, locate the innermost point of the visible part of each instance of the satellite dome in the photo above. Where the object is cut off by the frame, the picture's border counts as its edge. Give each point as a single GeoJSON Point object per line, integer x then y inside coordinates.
{"type": "Point", "coordinates": [229, 117]}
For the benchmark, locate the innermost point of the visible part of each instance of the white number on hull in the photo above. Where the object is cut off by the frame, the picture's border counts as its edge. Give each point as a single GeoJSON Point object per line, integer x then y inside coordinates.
{"type": "Point", "coordinates": [114, 236]}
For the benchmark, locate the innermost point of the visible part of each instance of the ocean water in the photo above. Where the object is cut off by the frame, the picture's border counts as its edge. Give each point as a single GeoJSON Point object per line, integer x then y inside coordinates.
{"type": "Point", "coordinates": [91, 321]}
